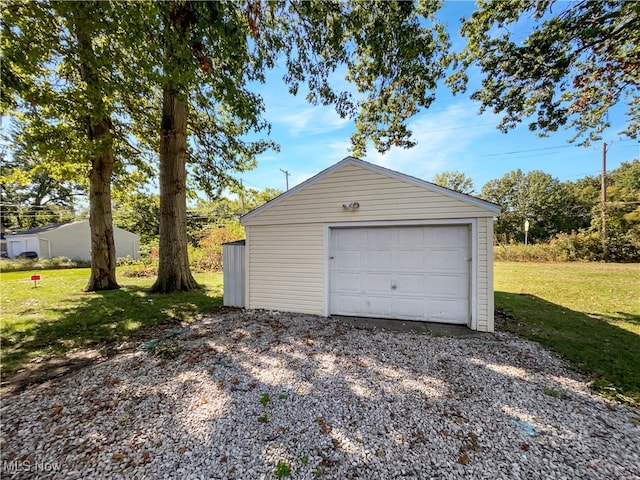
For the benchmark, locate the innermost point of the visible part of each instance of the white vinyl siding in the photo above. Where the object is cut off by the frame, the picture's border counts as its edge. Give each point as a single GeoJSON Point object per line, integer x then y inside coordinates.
{"type": "Point", "coordinates": [380, 197]}
{"type": "Point", "coordinates": [73, 240]}
{"type": "Point", "coordinates": [287, 240]}
{"type": "Point", "coordinates": [485, 274]}
{"type": "Point", "coordinates": [286, 268]}
{"type": "Point", "coordinates": [482, 277]}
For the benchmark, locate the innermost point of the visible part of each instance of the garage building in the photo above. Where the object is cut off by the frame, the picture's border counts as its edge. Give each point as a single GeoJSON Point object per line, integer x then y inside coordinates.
{"type": "Point", "coordinates": [362, 240]}
{"type": "Point", "coordinates": [70, 240]}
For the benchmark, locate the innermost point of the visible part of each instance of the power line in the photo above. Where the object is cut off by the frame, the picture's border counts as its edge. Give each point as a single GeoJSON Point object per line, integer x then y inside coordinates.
{"type": "Point", "coordinates": [526, 151]}
{"type": "Point", "coordinates": [530, 150]}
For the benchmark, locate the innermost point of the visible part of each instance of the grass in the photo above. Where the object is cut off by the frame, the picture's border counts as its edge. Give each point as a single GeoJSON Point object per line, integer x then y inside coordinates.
{"type": "Point", "coordinates": [589, 313]}
{"type": "Point", "coordinates": [58, 317]}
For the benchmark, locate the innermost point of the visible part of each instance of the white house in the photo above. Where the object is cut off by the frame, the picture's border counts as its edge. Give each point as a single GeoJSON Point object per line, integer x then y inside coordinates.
{"type": "Point", "coordinates": [361, 240]}
{"type": "Point", "coordinates": [71, 240]}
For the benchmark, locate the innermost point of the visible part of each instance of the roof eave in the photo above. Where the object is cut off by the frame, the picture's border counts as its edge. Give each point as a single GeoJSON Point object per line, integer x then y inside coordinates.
{"type": "Point", "coordinates": [478, 202]}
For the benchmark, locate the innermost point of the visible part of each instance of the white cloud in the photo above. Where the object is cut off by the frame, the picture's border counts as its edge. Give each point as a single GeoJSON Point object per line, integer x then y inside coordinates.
{"type": "Point", "coordinates": [307, 121]}
{"type": "Point", "coordinates": [442, 140]}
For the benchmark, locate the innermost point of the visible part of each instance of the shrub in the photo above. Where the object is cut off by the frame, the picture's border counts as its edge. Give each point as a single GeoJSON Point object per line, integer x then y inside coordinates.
{"type": "Point", "coordinates": [43, 263]}
{"type": "Point", "coordinates": [147, 266]}
{"type": "Point", "coordinates": [205, 257]}
{"type": "Point", "coordinates": [582, 246]}
{"type": "Point", "coordinates": [208, 255]}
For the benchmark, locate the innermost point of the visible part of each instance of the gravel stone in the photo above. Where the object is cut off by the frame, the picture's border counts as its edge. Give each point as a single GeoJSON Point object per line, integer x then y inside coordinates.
{"type": "Point", "coordinates": [245, 390]}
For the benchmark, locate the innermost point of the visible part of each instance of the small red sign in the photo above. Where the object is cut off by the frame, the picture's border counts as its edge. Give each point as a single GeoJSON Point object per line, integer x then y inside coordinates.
{"type": "Point", "coordinates": [35, 277]}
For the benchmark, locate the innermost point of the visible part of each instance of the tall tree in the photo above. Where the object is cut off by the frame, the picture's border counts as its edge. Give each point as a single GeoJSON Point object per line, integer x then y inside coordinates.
{"type": "Point", "coordinates": [577, 60]}
{"type": "Point", "coordinates": [536, 196]}
{"type": "Point", "coordinates": [30, 198]}
{"type": "Point", "coordinates": [63, 81]}
{"type": "Point", "coordinates": [80, 22]}
{"type": "Point", "coordinates": [138, 212]}
{"type": "Point", "coordinates": [455, 180]}
{"type": "Point", "coordinates": [212, 51]}
{"type": "Point", "coordinates": [205, 63]}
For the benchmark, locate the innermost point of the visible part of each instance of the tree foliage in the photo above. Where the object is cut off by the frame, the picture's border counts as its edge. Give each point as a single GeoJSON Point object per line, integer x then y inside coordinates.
{"type": "Point", "coordinates": [577, 60]}
{"type": "Point", "coordinates": [138, 212]}
{"type": "Point", "coordinates": [623, 209]}
{"type": "Point", "coordinates": [66, 83]}
{"type": "Point", "coordinates": [569, 213]}
{"type": "Point", "coordinates": [536, 196]}
{"type": "Point", "coordinates": [210, 54]}
{"type": "Point", "coordinates": [36, 199]}
{"type": "Point", "coordinates": [393, 53]}
{"type": "Point", "coordinates": [455, 180]}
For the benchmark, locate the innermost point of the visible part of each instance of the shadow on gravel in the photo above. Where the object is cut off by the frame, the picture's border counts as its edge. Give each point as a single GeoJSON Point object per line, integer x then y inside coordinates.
{"type": "Point", "coordinates": [594, 345]}
{"type": "Point", "coordinates": [95, 328]}
{"type": "Point", "coordinates": [253, 394]}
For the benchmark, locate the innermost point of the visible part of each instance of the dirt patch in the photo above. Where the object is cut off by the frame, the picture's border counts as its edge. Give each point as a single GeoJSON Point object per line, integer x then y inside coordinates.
{"type": "Point", "coordinates": [53, 367]}
{"type": "Point", "coordinates": [502, 319]}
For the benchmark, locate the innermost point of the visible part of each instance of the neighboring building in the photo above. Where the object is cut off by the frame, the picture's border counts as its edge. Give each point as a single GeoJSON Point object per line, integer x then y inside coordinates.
{"type": "Point", "coordinates": [70, 240]}
{"type": "Point", "coordinates": [361, 240]}
{"type": "Point", "coordinates": [3, 241]}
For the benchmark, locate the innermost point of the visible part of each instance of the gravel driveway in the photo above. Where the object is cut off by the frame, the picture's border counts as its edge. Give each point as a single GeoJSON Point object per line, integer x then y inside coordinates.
{"type": "Point", "coordinates": [259, 395]}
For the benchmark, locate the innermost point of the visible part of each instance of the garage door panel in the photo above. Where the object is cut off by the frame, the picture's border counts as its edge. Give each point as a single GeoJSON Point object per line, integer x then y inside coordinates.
{"type": "Point", "coordinates": [411, 308]}
{"type": "Point", "coordinates": [347, 240]}
{"type": "Point", "coordinates": [445, 310]}
{"type": "Point", "coordinates": [349, 304]}
{"type": "Point", "coordinates": [409, 284]}
{"type": "Point", "coordinates": [346, 282]}
{"type": "Point", "coordinates": [446, 260]}
{"type": "Point", "coordinates": [446, 285]}
{"type": "Point", "coordinates": [416, 273]}
{"type": "Point", "coordinates": [378, 282]}
{"type": "Point", "coordinates": [347, 259]}
{"type": "Point", "coordinates": [448, 236]}
{"type": "Point", "coordinates": [378, 239]}
{"type": "Point", "coordinates": [374, 305]}
{"type": "Point", "coordinates": [378, 259]}
{"type": "Point", "coordinates": [411, 237]}
{"type": "Point", "coordinates": [408, 259]}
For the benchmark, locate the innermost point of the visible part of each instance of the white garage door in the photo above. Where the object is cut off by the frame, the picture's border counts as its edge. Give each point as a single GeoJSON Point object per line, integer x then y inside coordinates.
{"type": "Point", "coordinates": [412, 273]}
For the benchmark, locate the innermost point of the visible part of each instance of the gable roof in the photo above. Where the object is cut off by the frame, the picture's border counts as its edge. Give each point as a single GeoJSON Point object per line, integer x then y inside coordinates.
{"type": "Point", "coordinates": [55, 226]}
{"type": "Point", "coordinates": [45, 228]}
{"type": "Point", "coordinates": [478, 202]}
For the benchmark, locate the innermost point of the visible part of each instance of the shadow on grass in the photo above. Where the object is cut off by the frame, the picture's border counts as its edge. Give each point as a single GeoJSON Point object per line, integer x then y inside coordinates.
{"type": "Point", "coordinates": [622, 316]}
{"type": "Point", "coordinates": [102, 320]}
{"type": "Point", "coordinates": [592, 345]}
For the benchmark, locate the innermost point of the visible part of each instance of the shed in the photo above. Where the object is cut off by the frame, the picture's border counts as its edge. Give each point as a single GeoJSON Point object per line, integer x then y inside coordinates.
{"type": "Point", "coordinates": [71, 240]}
{"type": "Point", "coordinates": [233, 273]}
{"type": "Point", "coordinates": [361, 240]}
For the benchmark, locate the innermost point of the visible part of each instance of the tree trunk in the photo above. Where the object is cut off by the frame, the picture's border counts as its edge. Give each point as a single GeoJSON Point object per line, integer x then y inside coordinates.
{"type": "Point", "coordinates": [103, 251]}
{"type": "Point", "coordinates": [174, 274]}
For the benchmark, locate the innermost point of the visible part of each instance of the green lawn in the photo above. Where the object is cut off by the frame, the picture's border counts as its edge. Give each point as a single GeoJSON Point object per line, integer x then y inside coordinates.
{"type": "Point", "coordinates": [589, 313]}
{"type": "Point", "coordinates": [58, 316]}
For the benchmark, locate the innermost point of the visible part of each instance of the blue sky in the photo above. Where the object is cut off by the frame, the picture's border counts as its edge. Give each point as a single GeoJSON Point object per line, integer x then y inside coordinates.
{"type": "Point", "coordinates": [450, 135]}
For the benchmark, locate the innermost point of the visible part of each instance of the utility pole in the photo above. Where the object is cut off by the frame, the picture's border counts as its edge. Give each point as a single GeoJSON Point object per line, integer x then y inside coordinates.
{"type": "Point", "coordinates": [603, 191]}
{"type": "Point", "coordinates": [242, 196]}
{"type": "Point", "coordinates": [286, 176]}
